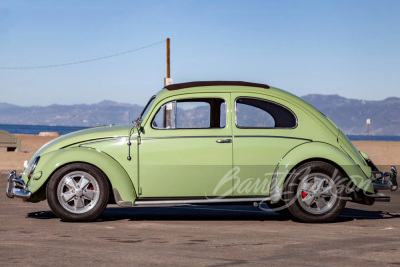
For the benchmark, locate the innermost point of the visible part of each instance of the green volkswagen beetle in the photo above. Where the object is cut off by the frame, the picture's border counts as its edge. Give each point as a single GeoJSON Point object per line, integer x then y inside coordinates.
{"type": "Point", "coordinates": [207, 142]}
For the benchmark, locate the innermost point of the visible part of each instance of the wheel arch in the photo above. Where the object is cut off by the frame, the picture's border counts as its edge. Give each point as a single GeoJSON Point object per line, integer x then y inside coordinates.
{"type": "Point", "coordinates": [317, 151]}
{"type": "Point", "coordinates": [116, 175]}
{"type": "Point", "coordinates": [329, 161]}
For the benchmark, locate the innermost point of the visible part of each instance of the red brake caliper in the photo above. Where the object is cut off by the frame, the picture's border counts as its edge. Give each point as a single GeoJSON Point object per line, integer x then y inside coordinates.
{"type": "Point", "coordinates": [303, 194]}
{"type": "Point", "coordinates": [92, 188]}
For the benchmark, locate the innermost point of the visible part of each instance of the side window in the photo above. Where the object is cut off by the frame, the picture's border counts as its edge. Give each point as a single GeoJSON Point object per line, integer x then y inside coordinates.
{"type": "Point", "coordinates": [191, 114]}
{"type": "Point", "coordinates": [257, 113]}
{"type": "Point", "coordinates": [222, 110]}
{"type": "Point", "coordinates": [165, 117]}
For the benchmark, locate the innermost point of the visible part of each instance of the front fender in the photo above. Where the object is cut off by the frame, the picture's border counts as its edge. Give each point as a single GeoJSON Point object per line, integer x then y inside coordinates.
{"type": "Point", "coordinates": [54, 160]}
{"type": "Point", "coordinates": [318, 151]}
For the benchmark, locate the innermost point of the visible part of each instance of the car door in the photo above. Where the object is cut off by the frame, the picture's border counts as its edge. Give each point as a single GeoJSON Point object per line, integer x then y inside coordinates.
{"type": "Point", "coordinates": [264, 131]}
{"type": "Point", "coordinates": [186, 148]}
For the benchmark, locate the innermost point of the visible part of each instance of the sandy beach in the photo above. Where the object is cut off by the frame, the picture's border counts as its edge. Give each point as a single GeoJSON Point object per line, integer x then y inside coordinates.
{"type": "Point", "coordinates": [29, 145]}
{"type": "Point", "coordinates": [383, 153]}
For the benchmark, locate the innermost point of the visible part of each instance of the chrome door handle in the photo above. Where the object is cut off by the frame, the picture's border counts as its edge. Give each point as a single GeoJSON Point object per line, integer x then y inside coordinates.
{"type": "Point", "coordinates": [224, 141]}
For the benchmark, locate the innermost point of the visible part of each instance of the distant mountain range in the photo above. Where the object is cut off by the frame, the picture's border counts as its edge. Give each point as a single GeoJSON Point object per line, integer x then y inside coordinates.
{"type": "Point", "coordinates": [103, 113]}
{"type": "Point", "coordinates": [349, 114]}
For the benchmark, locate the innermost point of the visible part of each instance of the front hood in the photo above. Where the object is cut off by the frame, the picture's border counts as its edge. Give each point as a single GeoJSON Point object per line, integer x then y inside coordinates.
{"type": "Point", "coordinates": [78, 137]}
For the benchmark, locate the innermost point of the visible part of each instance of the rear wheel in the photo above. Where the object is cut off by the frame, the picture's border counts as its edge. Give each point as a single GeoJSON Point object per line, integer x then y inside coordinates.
{"type": "Point", "coordinates": [78, 192]}
{"type": "Point", "coordinates": [316, 193]}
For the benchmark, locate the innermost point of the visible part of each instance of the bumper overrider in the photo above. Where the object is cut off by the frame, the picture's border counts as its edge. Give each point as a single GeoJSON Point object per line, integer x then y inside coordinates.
{"type": "Point", "coordinates": [385, 181]}
{"type": "Point", "coordinates": [16, 187]}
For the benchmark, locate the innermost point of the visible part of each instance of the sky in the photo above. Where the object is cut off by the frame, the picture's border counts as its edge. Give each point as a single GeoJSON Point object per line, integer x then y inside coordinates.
{"type": "Point", "coordinates": [344, 47]}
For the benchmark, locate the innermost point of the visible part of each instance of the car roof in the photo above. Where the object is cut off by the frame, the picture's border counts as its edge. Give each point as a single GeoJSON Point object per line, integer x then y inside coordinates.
{"type": "Point", "coordinates": [245, 87]}
{"type": "Point", "coordinates": [187, 85]}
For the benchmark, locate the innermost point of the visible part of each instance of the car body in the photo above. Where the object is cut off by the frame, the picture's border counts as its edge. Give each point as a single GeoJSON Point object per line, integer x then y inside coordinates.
{"type": "Point", "coordinates": [207, 142]}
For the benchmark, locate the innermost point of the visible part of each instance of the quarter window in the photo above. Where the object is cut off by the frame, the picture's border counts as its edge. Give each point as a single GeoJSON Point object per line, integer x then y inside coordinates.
{"type": "Point", "coordinates": [191, 114]}
{"type": "Point", "coordinates": [257, 113]}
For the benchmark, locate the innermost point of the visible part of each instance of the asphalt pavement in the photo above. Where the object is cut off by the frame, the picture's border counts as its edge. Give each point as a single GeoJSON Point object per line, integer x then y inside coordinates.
{"type": "Point", "coordinates": [30, 234]}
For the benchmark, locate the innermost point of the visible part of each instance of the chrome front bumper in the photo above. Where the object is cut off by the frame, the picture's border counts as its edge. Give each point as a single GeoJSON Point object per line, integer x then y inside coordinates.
{"type": "Point", "coordinates": [16, 187]}
{"type": "Point", "coordinates": [385, 181]}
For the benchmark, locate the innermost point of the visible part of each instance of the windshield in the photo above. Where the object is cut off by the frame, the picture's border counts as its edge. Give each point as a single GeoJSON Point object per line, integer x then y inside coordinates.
{"type": "Point", "coordinates": [147, 107]}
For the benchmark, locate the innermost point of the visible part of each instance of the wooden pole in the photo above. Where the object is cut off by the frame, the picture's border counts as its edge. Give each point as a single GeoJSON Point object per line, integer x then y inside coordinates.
{"type": "Point", "coordinates": [168, 61]}
{"type": "Point", "coordinates": [168, 79]}
{"type": "Point", "coordinates": [167, 82]}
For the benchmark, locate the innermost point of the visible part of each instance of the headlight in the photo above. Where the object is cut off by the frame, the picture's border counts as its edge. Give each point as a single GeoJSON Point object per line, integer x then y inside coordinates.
{"type": "Point", "coordinates": [32, 168]}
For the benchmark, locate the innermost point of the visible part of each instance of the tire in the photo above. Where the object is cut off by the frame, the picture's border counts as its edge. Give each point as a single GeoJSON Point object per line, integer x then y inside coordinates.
{"type": "Point", "coordinates": [315, 192]}
{"type": "Point", "coordinates": [78, 192]}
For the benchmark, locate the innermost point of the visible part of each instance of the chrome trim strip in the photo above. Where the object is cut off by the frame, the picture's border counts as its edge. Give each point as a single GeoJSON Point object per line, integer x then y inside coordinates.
{"type": "Point", "coordinates": [147, 105]}
{"type": "Point", "coordinates": [119, 200]}
{"type": "Point", "coordinates": [222, 141]}
{"type": "Point", "coordinates": [101, 141]}
{"type": "Point", "coordinates": [93, 139]}
{"type": "Point", "coordinates": [197, 136]}
{"type": "Point", "coordinates": [274, 136]}
{"type": "Point", "coordinates": [200, 201]}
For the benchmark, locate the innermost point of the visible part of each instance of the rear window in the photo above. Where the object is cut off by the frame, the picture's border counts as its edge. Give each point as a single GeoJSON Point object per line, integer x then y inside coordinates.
{"type": "Point", "coordinates": [258, 113]}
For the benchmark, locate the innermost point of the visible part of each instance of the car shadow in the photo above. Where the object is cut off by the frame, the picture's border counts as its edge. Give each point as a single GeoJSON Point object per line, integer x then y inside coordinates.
{"type": "Point", "coordinates": [178, 213]}
{"type": "Point", "coordinates": [367, 215]}
{"type": "Point", "coordinates": [211, 213]}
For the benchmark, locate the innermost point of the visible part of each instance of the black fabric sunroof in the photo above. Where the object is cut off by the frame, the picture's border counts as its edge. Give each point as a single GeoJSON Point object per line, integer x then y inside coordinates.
{"type": "Point", "coordinates": [178, 86]}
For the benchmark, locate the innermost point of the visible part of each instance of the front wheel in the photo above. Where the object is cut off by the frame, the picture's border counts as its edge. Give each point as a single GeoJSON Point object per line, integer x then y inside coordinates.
{"type": "Point", "coordinates": [315, 192]}
{"type": "Point", "coordinates": [78, 192]}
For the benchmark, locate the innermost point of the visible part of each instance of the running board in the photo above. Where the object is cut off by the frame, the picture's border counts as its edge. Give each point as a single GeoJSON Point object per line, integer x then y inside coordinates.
{"type": "Point", "coordinates": [200, 201]}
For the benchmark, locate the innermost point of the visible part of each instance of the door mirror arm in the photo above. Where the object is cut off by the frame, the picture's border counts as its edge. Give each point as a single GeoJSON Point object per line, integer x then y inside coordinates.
{"type": "Point", "coordinates": [136, 124]}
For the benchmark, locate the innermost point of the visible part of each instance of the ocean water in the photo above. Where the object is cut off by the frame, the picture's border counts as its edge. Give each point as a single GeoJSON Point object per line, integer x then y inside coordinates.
{"type": "Point", "coordinates": [373, 138]}
{"type": "Point", "coordinates": [36, 129]}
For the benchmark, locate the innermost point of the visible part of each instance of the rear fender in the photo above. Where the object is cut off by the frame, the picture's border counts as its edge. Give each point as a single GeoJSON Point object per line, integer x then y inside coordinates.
{"type": "Point", "coordinates": [317, 151]}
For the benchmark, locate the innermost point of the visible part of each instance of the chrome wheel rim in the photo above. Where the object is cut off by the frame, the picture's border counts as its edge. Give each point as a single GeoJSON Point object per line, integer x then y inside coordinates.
{"type": "Point", "coordinates": [317, 193]}
{"type": "Point", "coordinates": [78, 192]}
